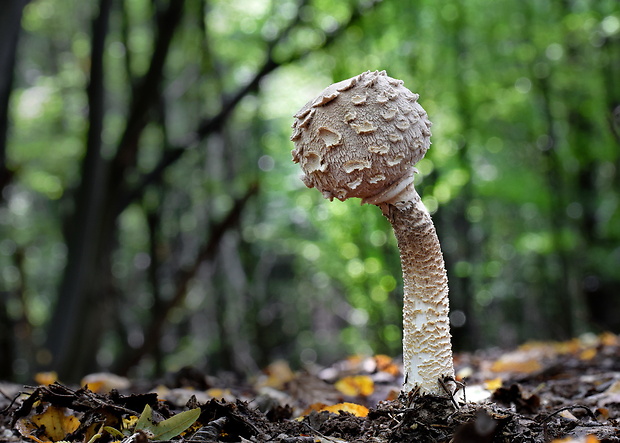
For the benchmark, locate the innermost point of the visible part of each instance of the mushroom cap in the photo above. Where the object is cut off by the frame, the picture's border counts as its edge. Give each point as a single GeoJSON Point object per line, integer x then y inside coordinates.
{"type": "Point", "coordinates": [361, 137]}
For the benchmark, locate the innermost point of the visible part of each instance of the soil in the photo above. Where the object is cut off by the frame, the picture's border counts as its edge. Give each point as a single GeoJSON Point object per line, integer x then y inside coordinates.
{"type": "Point", "coordinates": [540, 392]}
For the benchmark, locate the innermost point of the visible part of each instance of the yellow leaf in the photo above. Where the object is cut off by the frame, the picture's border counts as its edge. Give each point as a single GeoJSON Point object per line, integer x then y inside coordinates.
{"type": "Point", "coordinates": [278, 374]}
{"type": "Point", "coordinates": [46, 378]}
{"type": "Point", "coordinates": [352, 408]}
{"type": "Point", "coordinates": [386, 364]}
{"type": "Point", "coordinates": [219, 393]}
{"type": "Point", "coordinates": [494, 384]}
{"type": "Point", "coordinates": [313, 407]}
{"type": "Point", "coordinates": [586, 439]}
{"type": "Point", "coordinates": [571, 346]}
{"type": "Point", "coordinates": [356, 385]}
{"type": "Point", "coordinates": [104, 382]}
{"type": "Point", "coordinates": [515, 365]}
{"type": "Point", "coordinates": [609, 339]}
{"type": "Point", "coordinates": [354, 360]}
{"type": "Point", "coordinates": [587, 354]}
{"type": "Point", "coordinates": [57, 423]}
{"type": "Point", "coordinates": [130, 422]}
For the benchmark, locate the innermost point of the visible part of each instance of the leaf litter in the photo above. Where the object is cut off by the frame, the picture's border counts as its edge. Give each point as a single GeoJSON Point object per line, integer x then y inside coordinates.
{"type": "Point", "coordinates": [541, 392]}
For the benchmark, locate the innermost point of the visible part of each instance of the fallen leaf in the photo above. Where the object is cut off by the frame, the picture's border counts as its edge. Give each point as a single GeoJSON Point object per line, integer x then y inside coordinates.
{"type": "Point", "coordinates": [386, 364]}
{"type": "Point", "coordinates": [176, 424]}
{"type": "Point", "coordinates": [145, 421]}
{"type": "Point", "coordinates": [278, 374]}
{"type": "Point", "coordinates": [352, 408]}
{"type": "Point", "coordinates": [130, 422]}
{"type": "Point", "coordinates": [27, 429]}
{"type": "Point", "coordinates": [603, 413]}
{"type": "Point", "coordinates": [572, 346]}
{"type": "Point", "coordinates": [220, 393]}
{"type": "Point", "coordinates": [57, 423]}
{"type": "Point", "coordinates": [493, 384]}
{"type": "Point", "coordinates": [104, 382]}
{"type": "Point", "coordinates": [566, 414]}
{"type": "Point", "coordinates": [168, 428]}
{"type": "Point", "coordinates": [355, 385]}
{"type": "Point", "coordinates": [46, 378]}
{"type": "Point", "coordinates": [614, 388]}
{"type": "Point", "coordinates": [587, 354]}
{"type": "Point", "coordinates": [586, 439]}
{"type": "Point", "coordinates": [521, 367]}
{"type": "Point", "coordinates": [609, 339]}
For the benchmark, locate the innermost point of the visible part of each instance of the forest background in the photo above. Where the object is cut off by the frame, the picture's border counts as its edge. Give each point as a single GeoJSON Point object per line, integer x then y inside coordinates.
{"type": "Point", "coordinates": [151, 217]}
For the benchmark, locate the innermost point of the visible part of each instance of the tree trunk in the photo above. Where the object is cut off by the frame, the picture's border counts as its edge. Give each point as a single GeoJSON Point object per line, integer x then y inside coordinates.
{"type": "Point", "coordinates": [10, 25]}
{"type": "Point", "coordinates": [71, 324]}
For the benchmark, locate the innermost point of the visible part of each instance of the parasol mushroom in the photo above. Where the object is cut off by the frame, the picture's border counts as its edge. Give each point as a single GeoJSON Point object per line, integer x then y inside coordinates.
{"type": "Point", "coordinates": [361, 138]}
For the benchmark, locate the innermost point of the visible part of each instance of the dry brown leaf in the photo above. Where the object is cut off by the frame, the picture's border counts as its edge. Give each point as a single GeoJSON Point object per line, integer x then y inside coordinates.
{"type": "Point", "coordinates": [27, 429]}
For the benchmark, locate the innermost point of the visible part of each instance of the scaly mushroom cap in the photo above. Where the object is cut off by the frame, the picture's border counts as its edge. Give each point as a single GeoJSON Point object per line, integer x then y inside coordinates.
{"type": "Point", "coordinates": [361, 137]}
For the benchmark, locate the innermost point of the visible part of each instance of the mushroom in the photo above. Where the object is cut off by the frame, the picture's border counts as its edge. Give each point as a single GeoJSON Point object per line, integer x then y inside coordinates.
{"type": "Point", "coordinates": [361, 138]}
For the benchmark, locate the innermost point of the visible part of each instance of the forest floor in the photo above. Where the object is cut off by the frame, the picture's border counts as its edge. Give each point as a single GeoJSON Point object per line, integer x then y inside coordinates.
{"type": "Point", "coordinates": [539, 392]}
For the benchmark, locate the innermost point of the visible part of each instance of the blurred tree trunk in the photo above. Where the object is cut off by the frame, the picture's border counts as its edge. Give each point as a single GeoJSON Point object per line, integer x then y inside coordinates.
{"type": "Point", "coordinates": [74, 334]}
{"type": "Point", "coordinates": [10, 26]}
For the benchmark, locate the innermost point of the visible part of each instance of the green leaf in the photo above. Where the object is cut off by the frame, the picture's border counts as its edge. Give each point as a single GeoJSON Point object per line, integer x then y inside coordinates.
{"type": "Point", "coordinates": [114, 432]}
{"type": "Point", "coordinates": [173, 426]}
{"type": "Point", "coordinates": [145, 422]}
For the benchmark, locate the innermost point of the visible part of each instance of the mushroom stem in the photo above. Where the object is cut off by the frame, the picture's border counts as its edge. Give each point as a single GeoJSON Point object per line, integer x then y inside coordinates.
{"type": "Point", "coordinates": [427, 352]}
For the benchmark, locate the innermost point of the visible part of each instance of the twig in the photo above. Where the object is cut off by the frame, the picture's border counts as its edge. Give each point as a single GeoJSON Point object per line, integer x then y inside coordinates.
{"type": "Point", "coordinates": [570, 408]}
{"type": "Point", "coordinates": [13, 400]}
{"type": "Point", "coordinates": [444, 386]}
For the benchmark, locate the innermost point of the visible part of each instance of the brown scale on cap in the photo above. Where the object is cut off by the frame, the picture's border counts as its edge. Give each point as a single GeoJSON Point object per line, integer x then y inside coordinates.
{"type": "Point", "coordinates": [361, 138]}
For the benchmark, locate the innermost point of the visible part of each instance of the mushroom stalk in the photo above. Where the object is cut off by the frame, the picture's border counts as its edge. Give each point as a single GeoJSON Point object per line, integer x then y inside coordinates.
{"type": "Point", "coordinates": [427, 352]}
